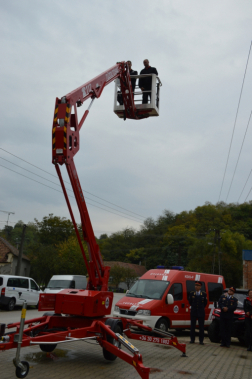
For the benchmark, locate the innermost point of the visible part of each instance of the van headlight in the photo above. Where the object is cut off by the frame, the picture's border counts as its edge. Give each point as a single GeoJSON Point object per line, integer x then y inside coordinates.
{"type": "Point", "coordinates": [117, 309]}
{"type": "Point", "coordinates": [144, 312]}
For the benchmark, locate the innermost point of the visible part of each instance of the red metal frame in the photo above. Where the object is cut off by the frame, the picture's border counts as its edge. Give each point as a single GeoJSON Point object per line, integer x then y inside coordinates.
{"type": "Point", "coordinates": [66, 144]}
{"type": "Point", "coordinates": [45, 330]}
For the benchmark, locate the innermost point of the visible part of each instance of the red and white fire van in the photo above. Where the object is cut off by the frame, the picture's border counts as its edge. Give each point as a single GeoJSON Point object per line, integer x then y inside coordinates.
{"type": "Point", "coordinates": [160, 298]}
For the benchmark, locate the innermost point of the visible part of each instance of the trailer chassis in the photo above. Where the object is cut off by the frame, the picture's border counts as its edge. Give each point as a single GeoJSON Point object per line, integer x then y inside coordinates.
{"type": "Point", "coordinates": [51, 329]}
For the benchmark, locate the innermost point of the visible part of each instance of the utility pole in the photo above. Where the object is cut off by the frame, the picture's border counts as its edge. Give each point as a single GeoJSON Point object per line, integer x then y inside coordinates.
{"type": "Point", "coordinates": [18, 271]}
{"type": "Point", "coordinates": [9, 213]}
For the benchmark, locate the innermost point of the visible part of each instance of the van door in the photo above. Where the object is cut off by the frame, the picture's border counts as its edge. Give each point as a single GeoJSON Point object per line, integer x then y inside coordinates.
{"type": "Point", "coordinates": [19, 289]}
{"type": "Point", "coordinates": [34, 293]}
{"type": "Point", "coordinates": [177, 309]}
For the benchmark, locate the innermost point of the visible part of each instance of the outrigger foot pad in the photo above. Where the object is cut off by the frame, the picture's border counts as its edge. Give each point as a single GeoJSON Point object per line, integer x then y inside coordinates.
{"type": "Point", "coordinates": [184, 355]}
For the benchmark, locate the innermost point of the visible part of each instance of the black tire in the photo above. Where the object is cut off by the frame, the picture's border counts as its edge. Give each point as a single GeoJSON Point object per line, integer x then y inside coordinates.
{"type": "Point", "coordinates": [11, 304]}
{"type": "Point", "coordinates": [162, 324]}
{"type": "Point", "coordinates": [244, 339]}
{"type": "Point", "coordinates": [214, 332]}
{"type": "Point", "coordinates": [48, 348]}
{"type": "Point", "coordinates": [20, 373]}
{"type": "Point", "coordinates": [116, 328]}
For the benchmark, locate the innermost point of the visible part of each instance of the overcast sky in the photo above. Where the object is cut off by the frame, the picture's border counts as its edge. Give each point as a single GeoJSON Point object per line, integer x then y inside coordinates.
{"type": "Point", "coordinates": [175, 161]}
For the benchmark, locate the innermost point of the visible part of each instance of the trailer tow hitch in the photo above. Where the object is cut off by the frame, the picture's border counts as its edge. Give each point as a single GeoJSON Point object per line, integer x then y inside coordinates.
{"type": "Point", "coordinates": [22, 367]}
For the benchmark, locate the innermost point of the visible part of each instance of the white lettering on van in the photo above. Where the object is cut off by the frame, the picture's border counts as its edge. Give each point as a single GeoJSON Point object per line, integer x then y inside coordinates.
{"type": "Point", "coordinates": [189, 276]}
{"type": "Point", "coordinates": [220, 279]}
{"type": "Point", "coordinates": [164, 277]}
{"type": "Point", "coordinates": [166, 271]}
{"type": "Point", "coordinates": [197, 277]}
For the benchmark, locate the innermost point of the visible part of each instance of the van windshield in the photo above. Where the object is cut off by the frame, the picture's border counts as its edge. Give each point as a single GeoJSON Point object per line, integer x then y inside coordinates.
{"type": "Point", "coordinates": [148, 289]}
{"type": "Point", "coordinates": [61, 284]}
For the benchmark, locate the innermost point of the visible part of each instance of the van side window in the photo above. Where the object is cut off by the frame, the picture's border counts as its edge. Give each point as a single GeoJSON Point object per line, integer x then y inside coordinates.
{"type": "Point", "coordinates": [23, 283]}
{"type": "Point", "coordinates": [10, 282]}
{"type": "Point", "coordinates": [1, 281]}
{"type": "Point", "coordinates": [190, 286]}
{"type": "Point", "coordinates": [215, 291]}
{"type": "Point", "coordinates": [176, 291]}
{"type": "Point", "coordinates": [72, 284]}
{"type": "Point", "coordinates": [13, 282]}
{"type": "Point", "coordinates": [34, 286]}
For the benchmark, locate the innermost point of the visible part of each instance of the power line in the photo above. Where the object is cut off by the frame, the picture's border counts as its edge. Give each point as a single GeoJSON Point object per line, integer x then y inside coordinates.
{"type": "Point", "coordinates": [245, 186]}
{"type": "Point", "coordinates": [69, 195]}
{"type": "Point", "coordinates": [118, 206]}
{"type": "Point", "coordinates": [239, 155]}
{"type": "Point", "coordinates": [235, 122]}
{"type": "Point", "coordinates": [248, 194]}
{"type": "Point", "coordinates": [57, 184]}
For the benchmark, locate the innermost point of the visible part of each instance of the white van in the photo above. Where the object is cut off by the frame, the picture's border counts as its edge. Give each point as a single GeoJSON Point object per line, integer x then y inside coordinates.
{"type": "Point", "coordinates": [62, 282]}
{"type": "Point", "coordinates": [15, 289]}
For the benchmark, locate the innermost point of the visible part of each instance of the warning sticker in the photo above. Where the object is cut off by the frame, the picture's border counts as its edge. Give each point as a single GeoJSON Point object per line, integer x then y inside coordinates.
{"type": "Point", "coordinates": [107, 303]}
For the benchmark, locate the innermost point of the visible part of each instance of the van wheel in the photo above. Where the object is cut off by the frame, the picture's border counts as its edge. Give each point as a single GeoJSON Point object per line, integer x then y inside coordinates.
{"type": "Point", "coordinates": [214, 332]}
{"type": "Point", "coordinates": [11, 304]}
{"type": "Point", "coordinates": [162, 324]}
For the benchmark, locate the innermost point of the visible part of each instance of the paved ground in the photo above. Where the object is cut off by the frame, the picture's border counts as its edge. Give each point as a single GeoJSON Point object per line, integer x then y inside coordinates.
{"type": "Point", "coordinates": [85, 360]}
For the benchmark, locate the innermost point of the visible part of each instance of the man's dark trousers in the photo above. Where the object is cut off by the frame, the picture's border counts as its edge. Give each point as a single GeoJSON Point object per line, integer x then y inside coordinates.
{"type": "Point", "coordinates": [225, 330]}
{"type": "Point", "coordinates": [145, 97]}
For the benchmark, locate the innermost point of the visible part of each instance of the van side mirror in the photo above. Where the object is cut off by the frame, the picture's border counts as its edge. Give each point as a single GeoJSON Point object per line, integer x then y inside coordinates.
{"type": "Point", "coordinates": [170, 299]}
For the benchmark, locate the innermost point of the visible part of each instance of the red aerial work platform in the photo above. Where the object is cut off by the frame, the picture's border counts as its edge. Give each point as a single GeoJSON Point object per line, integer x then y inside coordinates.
{"type": "Point", "coordinates": [81, 314]}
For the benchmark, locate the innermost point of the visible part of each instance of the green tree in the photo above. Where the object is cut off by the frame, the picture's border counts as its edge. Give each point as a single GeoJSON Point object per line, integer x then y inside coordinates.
{"type": "Point", "coordinates": [130, 277]}
{"type": "Point", "coordinates": [117, 273]}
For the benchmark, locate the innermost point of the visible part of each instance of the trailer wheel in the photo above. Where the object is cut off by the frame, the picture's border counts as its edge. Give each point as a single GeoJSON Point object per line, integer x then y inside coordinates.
{"type": "Point", "coordinates": [22, 373]}
{"type": "Point", "coordinates": [48, 348]}
{"type": "Point", "coordinates": [162, 324]}
{"type": "Point", "coordinates": [116, 328]}
{"type": "Point", "coordinates": [214, 332]}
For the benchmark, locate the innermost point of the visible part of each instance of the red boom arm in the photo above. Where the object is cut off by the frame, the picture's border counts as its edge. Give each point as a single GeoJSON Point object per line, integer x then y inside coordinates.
{"type": "Point", "coordinates": [65, 132]}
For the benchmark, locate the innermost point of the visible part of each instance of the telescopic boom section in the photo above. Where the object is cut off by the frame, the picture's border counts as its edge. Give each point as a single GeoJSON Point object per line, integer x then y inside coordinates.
{"type": "Point", "coordinates": [66, 127]}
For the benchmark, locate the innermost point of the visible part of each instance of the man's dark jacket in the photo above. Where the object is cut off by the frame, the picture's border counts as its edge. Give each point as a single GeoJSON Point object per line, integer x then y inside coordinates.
{"type": "Point", "coordinates": [247, 305]}
{"type": "Point", "coordinates": [133, 81]}
{"type": "Point", "coordinates": [146, 82]}
{"type": "Point", "coordinates": [198, 303]}
{"type": "Point", "coordinates": [231, 304]}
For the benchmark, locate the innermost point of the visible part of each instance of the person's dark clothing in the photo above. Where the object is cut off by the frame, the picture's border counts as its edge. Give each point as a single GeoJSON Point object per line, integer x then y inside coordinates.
{"type": "Point", "coordinates": [133, 80]}
{"type": "Point", "coordinates": [198, 303]}
{"type": "Point", "coordinates": [146, 82]}
{"type": "Point", "coordinates": [247, 305]}
{"type": "Point", "coordinates": [226, 318]}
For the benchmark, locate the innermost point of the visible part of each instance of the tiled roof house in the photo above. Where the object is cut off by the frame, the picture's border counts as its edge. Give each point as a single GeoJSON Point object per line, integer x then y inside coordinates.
{"type": "Point", "coordinates": [9, 259]}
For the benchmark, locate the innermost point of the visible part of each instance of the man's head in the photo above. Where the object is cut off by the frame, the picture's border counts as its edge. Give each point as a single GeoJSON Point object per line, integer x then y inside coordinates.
{"type": "Point", "coordinates": [129, 64]}
{"type": "Point", "coordinates": [146, 63]}
{"type": "Point", "coordinates": [198, 285]}
{"type": "Point", "coordinates": [231, 291]}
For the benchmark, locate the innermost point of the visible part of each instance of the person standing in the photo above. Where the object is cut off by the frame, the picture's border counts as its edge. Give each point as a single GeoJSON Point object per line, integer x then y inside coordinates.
{"type": "Point", "coordinates": [132, 72]}
{"type": "Point", "coordinates": [145, 83]}
{"type": "Point", "coordinates": [227, 304]}
{"type": "Point", "coordinates": [247, 305]}
{"type": "Point", "coordinates": [198, 302]}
